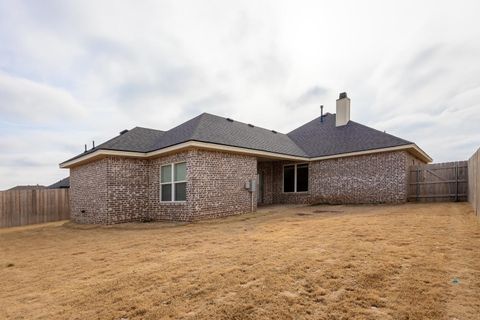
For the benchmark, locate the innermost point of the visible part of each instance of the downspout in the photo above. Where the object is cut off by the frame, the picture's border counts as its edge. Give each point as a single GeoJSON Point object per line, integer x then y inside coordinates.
{"type": "Point", "coordinates": [250, 185]}
{"type": "Point", "coordinates": [251, 200]}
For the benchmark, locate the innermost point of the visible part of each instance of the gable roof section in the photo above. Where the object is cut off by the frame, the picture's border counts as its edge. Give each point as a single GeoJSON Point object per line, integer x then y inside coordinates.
{"type": "Point", "coordinates": [138, 140]}
{"type": "Point", "coordinates": [314, 139]}
{"type": "Point", "coordinates": [319, 139]}
{"type": "Point", "coordinates": [214, 129]}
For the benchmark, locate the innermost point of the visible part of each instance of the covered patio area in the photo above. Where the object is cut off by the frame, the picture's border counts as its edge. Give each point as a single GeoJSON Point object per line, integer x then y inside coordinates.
{"type": "Point", "coordinates": [281, 182]}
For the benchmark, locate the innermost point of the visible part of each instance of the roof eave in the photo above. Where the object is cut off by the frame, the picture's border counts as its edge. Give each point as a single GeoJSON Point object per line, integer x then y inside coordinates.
{"type": "Point", "coordinates": [422, 154]}
{"type": "Point", "coordinates": [412, 147]}
{"type": "Point", "coordinates": [98, 154]}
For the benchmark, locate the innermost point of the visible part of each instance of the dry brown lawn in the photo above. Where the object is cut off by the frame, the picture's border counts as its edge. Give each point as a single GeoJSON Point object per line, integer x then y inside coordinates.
{"type": "Point", "coordinates": [413, 261]}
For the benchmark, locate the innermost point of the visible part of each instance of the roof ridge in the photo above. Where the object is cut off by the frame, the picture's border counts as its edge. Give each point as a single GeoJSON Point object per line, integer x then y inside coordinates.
{"type": "Point", "coordinates": [312, 139]}
{"type": "Point", "coordinates": [245, 123]}
{"type": "Point", "coordinates": [316, 119]}
{"type": "Point", "coordinates": [112, 139]}
{"type": "Point", "coordinates": [299, 146]}
{"type": "Point", "coordinates": [145, 128]}
{"type": "Point", "coordinates": [205, 118]}
{"type": "Point", "coordinates": [197, 125]}
{"type": "Point", "coordinates": [383, 132]}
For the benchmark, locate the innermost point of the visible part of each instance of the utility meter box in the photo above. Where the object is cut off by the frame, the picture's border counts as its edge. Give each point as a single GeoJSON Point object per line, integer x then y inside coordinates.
{"type": "Point", "coordinates": [251, 185]}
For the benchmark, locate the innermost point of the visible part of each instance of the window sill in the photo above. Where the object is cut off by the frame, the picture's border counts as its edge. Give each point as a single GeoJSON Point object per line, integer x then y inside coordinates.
{"type": "Point", "coordinates": [300, 192]}
{"type": "Point", "coordinates": [173, 202]}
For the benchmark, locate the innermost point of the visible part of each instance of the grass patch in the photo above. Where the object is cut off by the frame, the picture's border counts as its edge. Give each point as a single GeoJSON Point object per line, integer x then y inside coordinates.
{"type": "Point", "coordinates": [291, 262]}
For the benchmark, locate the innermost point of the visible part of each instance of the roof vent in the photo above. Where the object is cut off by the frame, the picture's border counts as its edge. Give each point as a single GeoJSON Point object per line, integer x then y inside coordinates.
{"type": "Point", "coordinates": [274, 131]}
{"type": "Point", "coordinates": [228, 119]}
{"type": "Point", "coordinates": [123, 131]}
{"type": "Point", "coordinates": [251, 125]}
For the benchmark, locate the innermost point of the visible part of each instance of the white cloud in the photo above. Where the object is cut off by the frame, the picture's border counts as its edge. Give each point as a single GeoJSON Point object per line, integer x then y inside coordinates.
{"type": "Point", "coordinates": [82, 71]}
{"type": "Point", "coordinates": [23, 100]}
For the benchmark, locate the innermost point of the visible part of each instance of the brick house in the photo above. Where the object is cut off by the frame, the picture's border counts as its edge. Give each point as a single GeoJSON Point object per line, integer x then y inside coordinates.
{"type": "Point", "coordinates": [212, 166]}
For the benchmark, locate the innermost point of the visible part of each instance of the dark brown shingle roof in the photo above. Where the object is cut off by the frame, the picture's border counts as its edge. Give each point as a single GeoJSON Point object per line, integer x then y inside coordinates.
{"type": "Point", "coordinates": [320, 139]}
{"type": "Point", "coordinates": [138, 139]}
{"type": "Point", "coordinates": [214, 129]}
{"type": "Point", "coordinates": [313, 139]}
{"type": "Point", "coordinates": [62, 184]}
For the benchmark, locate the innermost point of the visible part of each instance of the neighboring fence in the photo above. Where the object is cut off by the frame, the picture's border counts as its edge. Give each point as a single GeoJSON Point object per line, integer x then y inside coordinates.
{"type": "Point", "coordinates": [474, 182]}
{"type": "Point", "coordinates": [438, 182]}
{"type": "Point", "coordinates": [22, 207]}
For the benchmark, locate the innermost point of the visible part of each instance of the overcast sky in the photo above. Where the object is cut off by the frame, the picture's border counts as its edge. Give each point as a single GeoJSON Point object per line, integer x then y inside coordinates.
{"type": "Point", "coordinates": [76, 71]}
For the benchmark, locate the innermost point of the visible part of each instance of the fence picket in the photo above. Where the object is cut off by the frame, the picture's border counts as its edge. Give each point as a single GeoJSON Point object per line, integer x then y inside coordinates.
{"type": "Point", "coordinates": [22, 207]}
{"type": "Point", "coordinates": [438, 182]}
{"type": "Point", "coordinates": [474, 182]}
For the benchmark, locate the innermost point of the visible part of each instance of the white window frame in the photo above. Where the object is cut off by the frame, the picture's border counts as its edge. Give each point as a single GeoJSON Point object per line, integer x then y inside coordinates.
{"type": "Point", "coordinates": [172, 182]}
{"type": "Point", "coordinates": [295, 177]}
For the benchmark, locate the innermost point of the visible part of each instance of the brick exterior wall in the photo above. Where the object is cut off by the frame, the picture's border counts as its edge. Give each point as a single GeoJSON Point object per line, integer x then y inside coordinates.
{"type": "Point", "coordinates": [127, 184]}
{"type": "Point", "coordinates": [115, 189]}
{"type": "Point", "coordinates": [374, 178]}
{"type": "Point", "coordinates": [88, 192]}
{"type": "Point", "coordinates": [414, 161]}
{"type": "Point", "coordinates": [218, 184]}
{"type": "Point", "coordinates": [215, 186]}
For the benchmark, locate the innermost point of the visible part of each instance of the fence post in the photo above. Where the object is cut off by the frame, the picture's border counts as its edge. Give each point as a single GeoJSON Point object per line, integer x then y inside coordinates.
{"type": "Point", "coordinates": [456, 181]}
{"type": "Point", "coordinates": [418, 185]}
{"type": "Point", "coordinates": [33, 206]}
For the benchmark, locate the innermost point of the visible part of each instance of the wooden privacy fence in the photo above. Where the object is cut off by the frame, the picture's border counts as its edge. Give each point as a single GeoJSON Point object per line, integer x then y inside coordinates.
{"type": "Point", "coordinates": [474, 182]}
{"type": "Point", "coordinates": [438, 182]}
{"type": "Point", "coordinates": [22, 207]}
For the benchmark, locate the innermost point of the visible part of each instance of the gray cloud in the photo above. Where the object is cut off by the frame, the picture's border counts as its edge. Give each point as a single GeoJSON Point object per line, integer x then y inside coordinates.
{"type": "Point", "coordinates": [213, 103]}
{"type": "Point", "coordinates": [313, 94]}
{"type": "Point", "coordinates": [169, 81]}
{"type": "Point", "coordinates": [423, 57]}
{"type": "Point", "coordinates": [72, 72]}
{"type": "Point", "coordinates": [25, 100]}
{"type": "Point", "coordinates": [22, 162]}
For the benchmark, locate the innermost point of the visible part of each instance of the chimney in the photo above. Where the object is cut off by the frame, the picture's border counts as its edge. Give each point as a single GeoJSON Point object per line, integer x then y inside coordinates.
{"type": "Point", "coordinates": [343, 110]}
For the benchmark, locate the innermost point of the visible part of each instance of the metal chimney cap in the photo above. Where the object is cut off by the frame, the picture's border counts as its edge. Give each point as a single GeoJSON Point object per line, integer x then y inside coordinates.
{"type": "Point", "coordinates": [343, 95]}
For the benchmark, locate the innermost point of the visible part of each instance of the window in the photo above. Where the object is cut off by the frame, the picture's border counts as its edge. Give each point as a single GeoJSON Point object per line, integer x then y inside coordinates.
{"type": "Point", "coordinates": [289, 178]}
{"type": "Point", "coordinates": [173, 181]}
{"type": "Point", "coordinates": [295, 178]}
{"type": "Point", "coordinates": [302, 177]}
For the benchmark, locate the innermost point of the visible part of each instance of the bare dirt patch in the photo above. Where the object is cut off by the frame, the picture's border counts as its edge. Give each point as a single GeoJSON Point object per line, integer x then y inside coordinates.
{"type": "Point", "coordinates": [414, 261]}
